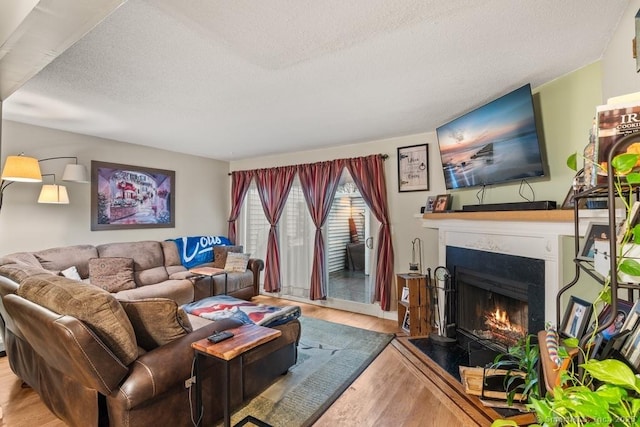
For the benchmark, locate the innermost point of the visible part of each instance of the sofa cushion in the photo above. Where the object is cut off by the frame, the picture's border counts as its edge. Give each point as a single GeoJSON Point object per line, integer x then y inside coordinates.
{"type": "Point", "coordinates": [102, 313]}
{"type": "Point", "coordinates": [26, 258]}
{"type": "Point", "coordinates": [220, 254]}
{"type": "Point", "coordinates": [180, 291]}
{"type": "Point", "coordinates": [236, 262]}
{"type": "Point", "coordinates": [148, 259]}
{"type": "Point", "coordinates": [156, 321]}
{"type": "Point", "coordinates": [112, 274]}
{"type": "Point", "coordinates": [58, 259]}
{"type": "Point", "coordinates": [19, 272]}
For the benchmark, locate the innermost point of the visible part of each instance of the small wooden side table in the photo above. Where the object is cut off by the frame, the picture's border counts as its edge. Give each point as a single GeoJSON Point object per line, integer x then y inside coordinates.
{"type": "Point", "coordinates": [210, 272]}
{"type": "Point", "coordinates": [245, 338]}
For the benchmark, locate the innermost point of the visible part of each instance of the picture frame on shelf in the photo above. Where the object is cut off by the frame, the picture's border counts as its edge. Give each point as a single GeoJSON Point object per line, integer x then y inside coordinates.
{"type": "Point", "coordinates": [405, 322]}
{"type": "Point", "coordinates": [569, 200]}
{"type": "Point", "coordinates": [576, 317]}
{"type": "Point", "coordinates": [630, 221]}
{"type": "Point", "coordinates": [413, 168]}
{"type": "Point", "coordinates": [442, 203]}
{"type": "Point", "coordinates": [631, 348]}
{"type": "Point", "coordinates": [429, 205]}
{"type": "Point", "coordinates": [595, 230]}
{"type": "Point", "coordinates": [405, 295]}
{"type": "Point", "coordinates": [622, 318]}
{"type": "Point", "coordinates": [632, 320]}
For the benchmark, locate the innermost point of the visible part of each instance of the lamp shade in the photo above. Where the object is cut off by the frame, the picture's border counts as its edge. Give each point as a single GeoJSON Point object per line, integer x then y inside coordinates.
{"type": "Point", "coordinates": [75, 173]}
{"type": "Point", "coordinates": [21, 168]}
{"type": "Point", "coordinates": [53, 193]}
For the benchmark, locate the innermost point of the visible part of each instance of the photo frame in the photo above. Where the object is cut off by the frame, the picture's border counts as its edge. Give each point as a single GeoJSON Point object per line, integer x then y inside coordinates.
{"type": "Point", "coordinates": [429, 205]}
{"type": "Point", "coordinates": [442, 203]}
{"type": "Point", "coordinates": [576, 318]}
{"type": "Point", "coordinates": [128, 197]}
{"type": "Point", "coordinates": [405, 322]}
{"type": "Point", "coordinates": [634, 215]}
{"type": "Point", "coordinates": [621, 320]}
{"type": "Point", "coordinates": [595, 230]}
{"type": "Point", "coordinates": [405, 295]}
{"type": "Point", "coordinates": [631, 348]}
{"type": "Point", "coordinates": [413, 168]}
{"type": "Point", "coordinates": [569, 200]}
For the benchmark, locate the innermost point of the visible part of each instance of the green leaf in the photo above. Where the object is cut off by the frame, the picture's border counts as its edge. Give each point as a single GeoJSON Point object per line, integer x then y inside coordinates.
{"type": "Point", "coordinates": [612, 394]}
{"type": "Point", "coordinates": [630, 266]}
{"type": "Point", "coordinates": [611, 371]}
{"type": "Point", "coordinates": [624, 162]}
{"type": "Point", "coordinates": [572, 162]}
{"type": "Point", "coordinates": [633, 178]}
{"type": "Point", "coordinates": [571, 342]}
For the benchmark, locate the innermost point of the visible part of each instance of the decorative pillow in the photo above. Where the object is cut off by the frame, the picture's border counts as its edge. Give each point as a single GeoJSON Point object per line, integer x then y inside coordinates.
{"type": "Point", "coordinates": [220, 254]}
{"type": "Point", "coordinates": [71, 273]}
{"type": "Point", "coordinates": [236, 262]}
{"type": "Point", "coordinates": [112, 274]}
{"type": "Point", "coordinates": [98, 309]}
{"type": "Point", "coordinates": [156, 321]}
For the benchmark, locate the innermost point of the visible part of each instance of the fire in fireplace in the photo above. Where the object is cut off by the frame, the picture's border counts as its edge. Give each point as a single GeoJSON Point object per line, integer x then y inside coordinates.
{"type": "Point", "coordinates": [498, 297]}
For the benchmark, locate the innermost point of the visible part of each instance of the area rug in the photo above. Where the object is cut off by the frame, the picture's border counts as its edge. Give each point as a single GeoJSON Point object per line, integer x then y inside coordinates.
{"type": "Point", "coordinates": [330, 357]}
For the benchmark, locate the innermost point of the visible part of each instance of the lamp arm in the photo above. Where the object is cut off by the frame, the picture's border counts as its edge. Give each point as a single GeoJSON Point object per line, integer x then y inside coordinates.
{"type": "Point", "coordinates": [57, 158]}
{"type": "Point", "coordinates": [3, 184]}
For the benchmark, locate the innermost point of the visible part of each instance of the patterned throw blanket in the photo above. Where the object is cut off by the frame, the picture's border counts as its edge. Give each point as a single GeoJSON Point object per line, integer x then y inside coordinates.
{"type": "Point", "coordinates": [196, 250]}
{"type": "Point", "coordinates": [225, 307]}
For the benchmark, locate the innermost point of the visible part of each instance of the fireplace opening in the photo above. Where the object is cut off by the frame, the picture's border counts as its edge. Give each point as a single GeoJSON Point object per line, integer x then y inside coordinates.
{"type": "Point", "coordinates": [491, 308]}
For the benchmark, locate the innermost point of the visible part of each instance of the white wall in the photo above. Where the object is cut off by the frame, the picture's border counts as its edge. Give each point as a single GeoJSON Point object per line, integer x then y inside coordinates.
{"type": "Point", "coordinates": [202, 191]}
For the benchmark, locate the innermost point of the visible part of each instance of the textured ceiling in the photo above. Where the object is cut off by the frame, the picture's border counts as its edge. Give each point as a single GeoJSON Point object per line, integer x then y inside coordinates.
{"type": "Point", "coordinates": [238, 79]}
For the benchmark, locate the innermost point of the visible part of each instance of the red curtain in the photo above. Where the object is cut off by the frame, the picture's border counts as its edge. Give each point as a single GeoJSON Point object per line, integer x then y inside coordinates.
{"type": "Point", "coordinates": [319, 182]}
{"type": "Point", "coordinates": [273, 188]}
{"type": "Point", "coordinates": [368, 175]}
{"type": "Point", "coordinates": [240, 181]}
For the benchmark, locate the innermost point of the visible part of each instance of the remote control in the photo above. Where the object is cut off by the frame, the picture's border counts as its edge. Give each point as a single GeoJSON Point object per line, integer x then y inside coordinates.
{"type": "Point", "coordinates": [216, 337]}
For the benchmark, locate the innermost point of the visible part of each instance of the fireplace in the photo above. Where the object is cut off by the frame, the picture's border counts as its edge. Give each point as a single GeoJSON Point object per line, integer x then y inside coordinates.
{"type": "Point", "coordinates": [497, 298]}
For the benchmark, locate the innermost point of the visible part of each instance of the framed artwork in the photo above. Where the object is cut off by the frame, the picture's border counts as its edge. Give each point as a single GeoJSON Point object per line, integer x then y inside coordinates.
{"type": "Point", "coordinates": [442, 203]}
{"type": "Point", "coordinates": [595, 230]}
{"type": "Point", "coordinates": [125, 197]}
{"type": "Point", "coordinates": [413, 168]}
{"type": "Point", "coordinates": [576, 318]}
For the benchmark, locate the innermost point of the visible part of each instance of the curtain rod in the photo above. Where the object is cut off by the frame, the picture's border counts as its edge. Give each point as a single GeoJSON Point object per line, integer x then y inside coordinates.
{"type": "Point", "coordinates": [383, 156]}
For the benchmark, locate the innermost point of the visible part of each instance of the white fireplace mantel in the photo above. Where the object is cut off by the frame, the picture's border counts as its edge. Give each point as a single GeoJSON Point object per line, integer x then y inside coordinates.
{"type": "Point", "coordinates": [531, 234]}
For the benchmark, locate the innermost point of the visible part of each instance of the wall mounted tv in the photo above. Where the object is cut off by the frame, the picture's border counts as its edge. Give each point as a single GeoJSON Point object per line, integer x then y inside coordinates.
{"type": "Point", "coordinates": [492, 144]}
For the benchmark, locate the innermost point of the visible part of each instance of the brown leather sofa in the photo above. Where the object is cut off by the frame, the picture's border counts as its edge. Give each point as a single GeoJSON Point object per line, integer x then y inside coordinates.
{"type": "Point", "coordinates": [90, 374]}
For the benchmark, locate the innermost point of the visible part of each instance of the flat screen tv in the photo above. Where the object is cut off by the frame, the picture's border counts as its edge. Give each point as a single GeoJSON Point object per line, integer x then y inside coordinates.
{"type": "Point", "coordinates": [492, 144]}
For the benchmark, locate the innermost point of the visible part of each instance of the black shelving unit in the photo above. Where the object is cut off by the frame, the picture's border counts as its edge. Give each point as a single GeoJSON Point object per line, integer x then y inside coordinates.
{"type": "Point", "coordinates": [607, 190]}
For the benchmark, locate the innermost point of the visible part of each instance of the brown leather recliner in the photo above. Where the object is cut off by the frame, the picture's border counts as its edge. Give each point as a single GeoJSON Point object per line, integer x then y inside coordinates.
{"type": "Point", "coordinates": [84, 383]}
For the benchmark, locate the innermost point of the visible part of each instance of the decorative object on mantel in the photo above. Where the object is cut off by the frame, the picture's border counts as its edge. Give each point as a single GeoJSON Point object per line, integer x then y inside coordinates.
{"type": "Point", "coordinates": [413, 168]}
{"type": "Point", "coordinates": [442, 203]}
{"type": "Point", "coordinates": [22, 168]}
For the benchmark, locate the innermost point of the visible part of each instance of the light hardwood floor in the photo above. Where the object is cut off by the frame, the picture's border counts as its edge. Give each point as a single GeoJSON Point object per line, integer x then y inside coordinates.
{"type": "Point", "coordinates": [390, 392]}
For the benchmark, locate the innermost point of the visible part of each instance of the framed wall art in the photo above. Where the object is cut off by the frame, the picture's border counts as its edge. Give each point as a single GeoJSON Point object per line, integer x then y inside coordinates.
{"type": "Point", "coordinates": [413, 168]}
{"type": "Point", "coordinates": [125, 197]}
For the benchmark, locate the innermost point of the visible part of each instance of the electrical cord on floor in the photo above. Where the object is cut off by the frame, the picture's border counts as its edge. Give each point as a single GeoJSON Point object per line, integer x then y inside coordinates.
{"type": "Point", "coordinates": [200, 409]}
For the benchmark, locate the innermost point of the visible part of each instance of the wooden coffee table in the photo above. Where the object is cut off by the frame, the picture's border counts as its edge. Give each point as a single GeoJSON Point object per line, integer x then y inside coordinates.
{"type": "Point", "coordinates": [245, 338]}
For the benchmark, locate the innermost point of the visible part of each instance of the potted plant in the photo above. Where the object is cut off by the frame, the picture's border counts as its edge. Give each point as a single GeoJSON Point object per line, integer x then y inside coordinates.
{"type": "Point", "coordinates": [602, 392]}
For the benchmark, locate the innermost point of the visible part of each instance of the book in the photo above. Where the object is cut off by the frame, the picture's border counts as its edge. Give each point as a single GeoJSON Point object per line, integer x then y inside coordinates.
{"type": "Point", "coordinates": [614, 122]}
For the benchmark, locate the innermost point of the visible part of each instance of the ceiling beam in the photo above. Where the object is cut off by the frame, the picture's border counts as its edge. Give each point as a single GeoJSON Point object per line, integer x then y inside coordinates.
{"type": "Point", "coordinates": [35, 32]}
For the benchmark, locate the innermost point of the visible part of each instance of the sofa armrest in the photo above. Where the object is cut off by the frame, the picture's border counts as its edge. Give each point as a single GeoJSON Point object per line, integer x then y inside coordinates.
{"type": "Point", "coordinates": [162, 368]}
{"type": "Point", "coordinates": [256, 266]}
